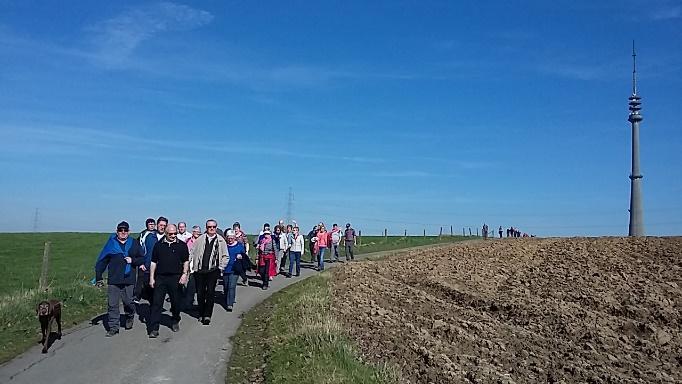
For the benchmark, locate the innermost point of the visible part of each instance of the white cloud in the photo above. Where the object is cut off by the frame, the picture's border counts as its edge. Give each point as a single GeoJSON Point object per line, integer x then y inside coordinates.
{"type": "Point", "coordinates": [667, 13]}
{"type": "Point", "coordinates": [118, 37]}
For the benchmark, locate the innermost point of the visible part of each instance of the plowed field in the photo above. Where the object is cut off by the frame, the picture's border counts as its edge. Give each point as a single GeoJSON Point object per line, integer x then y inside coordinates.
{"type": "Point", "coordinates": [601, 310]}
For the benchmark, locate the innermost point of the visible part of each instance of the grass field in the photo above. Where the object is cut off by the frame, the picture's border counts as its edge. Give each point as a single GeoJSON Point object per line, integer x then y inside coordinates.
{"type": "Point", "coordinates": [293, 338]}
{"type": "Point", "coordinates": [71, 267]}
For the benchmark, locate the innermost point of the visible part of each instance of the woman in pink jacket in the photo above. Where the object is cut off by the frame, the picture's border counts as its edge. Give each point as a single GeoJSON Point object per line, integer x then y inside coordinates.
{"type": "Point", "coordinates": [322, 245]}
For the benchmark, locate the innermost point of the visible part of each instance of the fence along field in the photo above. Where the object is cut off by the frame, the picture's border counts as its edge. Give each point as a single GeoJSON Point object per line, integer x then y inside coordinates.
{"type": "Point", "coordinates": [70, 268]}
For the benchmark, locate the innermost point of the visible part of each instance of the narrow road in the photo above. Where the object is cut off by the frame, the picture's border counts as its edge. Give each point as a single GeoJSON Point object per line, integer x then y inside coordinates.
{"type": "Point", "coordinates": [195, 354]}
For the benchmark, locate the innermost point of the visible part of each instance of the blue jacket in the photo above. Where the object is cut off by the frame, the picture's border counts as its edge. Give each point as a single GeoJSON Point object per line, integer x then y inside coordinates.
{"type": "Point", "coordinates": [149, 243]}
{"type": "Point", "coordinates": [112, 258]}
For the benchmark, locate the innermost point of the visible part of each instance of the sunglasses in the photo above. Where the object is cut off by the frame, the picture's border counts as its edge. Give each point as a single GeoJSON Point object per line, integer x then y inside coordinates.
{"type": "Point", "coordinates": [121, 230]}
{"type": "Point", "coordinates": [211, 226]}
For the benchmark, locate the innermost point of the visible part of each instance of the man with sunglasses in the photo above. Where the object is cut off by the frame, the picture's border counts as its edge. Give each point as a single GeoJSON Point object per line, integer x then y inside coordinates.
{"type": "Point", "coordinates": [209, 257]}
{"type": "Point", "coordinates": [169, 270]}
{"type": "Point", "coordinates": [120, 255]}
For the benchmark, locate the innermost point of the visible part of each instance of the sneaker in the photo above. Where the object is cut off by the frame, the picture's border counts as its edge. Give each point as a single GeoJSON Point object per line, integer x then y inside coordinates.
{"type": "Point", "coordinates": [201, 320]}
{"type": "Point", "coordinates": [112, 332]}
{"type": "Point", "coordinates": [129, 323]}
{"type": "Point", "coordinates": [136, 300]}
{"type": "Point", "coordinates": [207, 321]}
{"type": "Point", "coordinates": [229, 308]}
{"type": "Point", "coordinates": [175, 327]}
{"type": "Point", "coordinates": [245, 283]}
{"type": "Point", "coordinates": [153, 334]}
{"type": "Point", "coordinates": [265, 288]}
{"type": "Point", "coordinates": [297, 275]}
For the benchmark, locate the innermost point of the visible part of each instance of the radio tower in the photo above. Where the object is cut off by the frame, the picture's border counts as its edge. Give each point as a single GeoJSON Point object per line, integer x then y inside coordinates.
{"type": "Point", "coordinates": [290, 203]}
{"type": "Point", "coordinates": [636, 227]}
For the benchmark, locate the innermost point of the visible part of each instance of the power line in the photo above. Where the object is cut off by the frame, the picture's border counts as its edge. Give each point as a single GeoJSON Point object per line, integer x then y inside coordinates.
{"type": "Point", "coordinates": [35, 220]}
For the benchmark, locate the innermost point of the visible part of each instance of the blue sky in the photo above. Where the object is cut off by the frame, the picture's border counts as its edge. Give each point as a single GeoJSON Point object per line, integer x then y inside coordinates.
{"type": "Point", "coordinates": [400, 115]}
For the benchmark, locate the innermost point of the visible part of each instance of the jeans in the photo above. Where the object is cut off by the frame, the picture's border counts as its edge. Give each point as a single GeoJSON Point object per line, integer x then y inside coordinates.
{"type": "Point", "coordinates": [116, 293]}
{"type": "Point", "coordinates": [336, 251]}
{"type": "Point", "coordinates": [230, 285]}
{"type": "Point", "coordinates": [349, 251]}
{"type": "Point", "coordinates": [294, 258]}
{"type": "Point", "coordinates": [205, 283]}
{"type": "Point", "coordinates": [169, 284]}
{"type": "Point", "coordinates": [320, 259]}
{"type": "Point", "coordinates": [282, 257]}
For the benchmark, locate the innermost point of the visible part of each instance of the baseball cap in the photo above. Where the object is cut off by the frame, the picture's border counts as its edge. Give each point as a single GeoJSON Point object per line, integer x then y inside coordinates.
{"type": "Point", "coordinates": [123, 225]}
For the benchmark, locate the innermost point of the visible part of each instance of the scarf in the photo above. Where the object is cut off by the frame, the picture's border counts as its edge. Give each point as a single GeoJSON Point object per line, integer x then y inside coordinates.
{"type": "Point", "coordinates": [113, 247]}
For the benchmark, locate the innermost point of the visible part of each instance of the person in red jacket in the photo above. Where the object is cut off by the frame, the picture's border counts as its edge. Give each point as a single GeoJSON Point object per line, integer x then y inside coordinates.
{"type": "Point", "coordinates": [322, 245]}
{"type": "Point", "coordinates": [267, 249]}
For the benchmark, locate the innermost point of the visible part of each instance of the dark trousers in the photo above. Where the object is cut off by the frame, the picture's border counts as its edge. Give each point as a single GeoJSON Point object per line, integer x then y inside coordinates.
{"type": "Point", "coordinates": [294, 260]}
{"type": "Point", "coordinates": [188, 293]}
{"type": "Point", "coordinates": [141, 283]}
{"type": "Point", "coordinates": [117, 293]}
{"type": "Point", "coordinates": [165, 284]}
{"type": "Point", "coordinates": [264, 271]}
{"type": "Point", "coordinates": [349, 251]}
{"type": "Point", "coordinates": [336, 251]}
{"type": "Point", "coordinates": [205, 283]}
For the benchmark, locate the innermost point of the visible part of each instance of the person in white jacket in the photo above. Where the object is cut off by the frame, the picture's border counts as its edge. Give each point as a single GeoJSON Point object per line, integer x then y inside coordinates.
{"type": "Point", "coordinates": [296, 251]}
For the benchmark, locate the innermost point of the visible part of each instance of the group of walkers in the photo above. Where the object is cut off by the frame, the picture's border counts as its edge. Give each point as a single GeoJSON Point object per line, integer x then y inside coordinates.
{"type": "Point", "coordinates": [167, 260]}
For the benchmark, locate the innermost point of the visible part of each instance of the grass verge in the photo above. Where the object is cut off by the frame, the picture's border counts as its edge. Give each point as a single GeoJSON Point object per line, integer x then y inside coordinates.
{"type": "Point", "coordinates": [19, 327]}
{"type": "Point", "coordinates": [292, 337]}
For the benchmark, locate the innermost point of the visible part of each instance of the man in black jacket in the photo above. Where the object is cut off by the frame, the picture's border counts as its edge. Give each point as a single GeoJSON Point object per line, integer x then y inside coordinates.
{"type": "Point", "coordinates": [120, 255]}
{"type": "Point", "coordinates": [169, 270]}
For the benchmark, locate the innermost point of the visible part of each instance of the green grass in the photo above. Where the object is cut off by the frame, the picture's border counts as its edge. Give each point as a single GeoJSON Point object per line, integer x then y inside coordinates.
{"type": "Point", "coordinates": [368, 244]}
{"type": "Point", "coordinates": [71, 267]}
{"type": "Point", "coordinates": [292, 337]}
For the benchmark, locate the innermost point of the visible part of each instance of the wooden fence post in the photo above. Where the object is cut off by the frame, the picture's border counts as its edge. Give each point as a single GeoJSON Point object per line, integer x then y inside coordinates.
{"type": "Point", "coordinates": [424, 232]}
{"type": "Point", "coordinates": [385, 233]}
{"type": "Point", "coordinates": [359, 238]}
{"type": "Point", "coordinates": [451, 233]}
{"type": "Point", "coordinates": [406, 233]}
{"type": "Point", "coordinates": [469, 231]}
{"type": "Point", "coordinates": [42, 284]}
{"type": "Point", "coordinates": [441, 232]}
{"type": "Point", "coordinates": [476, 231]}
{"type": "Point", "coordinates": [463, 232]}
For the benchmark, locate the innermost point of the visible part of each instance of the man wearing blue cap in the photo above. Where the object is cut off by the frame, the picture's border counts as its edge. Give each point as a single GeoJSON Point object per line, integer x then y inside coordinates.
{"type": "Point", "coordinates": [120, 255]}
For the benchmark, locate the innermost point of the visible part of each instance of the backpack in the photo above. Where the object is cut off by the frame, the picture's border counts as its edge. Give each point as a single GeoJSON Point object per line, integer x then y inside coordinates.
{"type": "Point", "coordinates": [336, 237]}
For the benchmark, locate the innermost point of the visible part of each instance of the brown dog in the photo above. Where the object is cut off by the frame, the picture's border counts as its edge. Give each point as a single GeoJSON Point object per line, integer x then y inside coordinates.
{"type": "Point", "coordinates": [48, 312]}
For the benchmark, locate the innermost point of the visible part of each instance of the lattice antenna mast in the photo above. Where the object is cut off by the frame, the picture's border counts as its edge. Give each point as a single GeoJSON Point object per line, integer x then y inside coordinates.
{"type": "Point", "coordinates": [35, 220]}
{"type": "Point", "coordinates": [290, 204]}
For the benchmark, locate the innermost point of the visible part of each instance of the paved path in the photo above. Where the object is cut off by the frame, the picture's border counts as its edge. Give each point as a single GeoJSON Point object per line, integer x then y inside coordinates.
{"type": "Point", "coordinates": [196, 353]}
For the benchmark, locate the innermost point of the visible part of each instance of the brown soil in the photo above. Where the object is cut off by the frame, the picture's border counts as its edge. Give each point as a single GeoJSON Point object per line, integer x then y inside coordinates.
{"type": "Point", "coordinates": [597, 310]}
